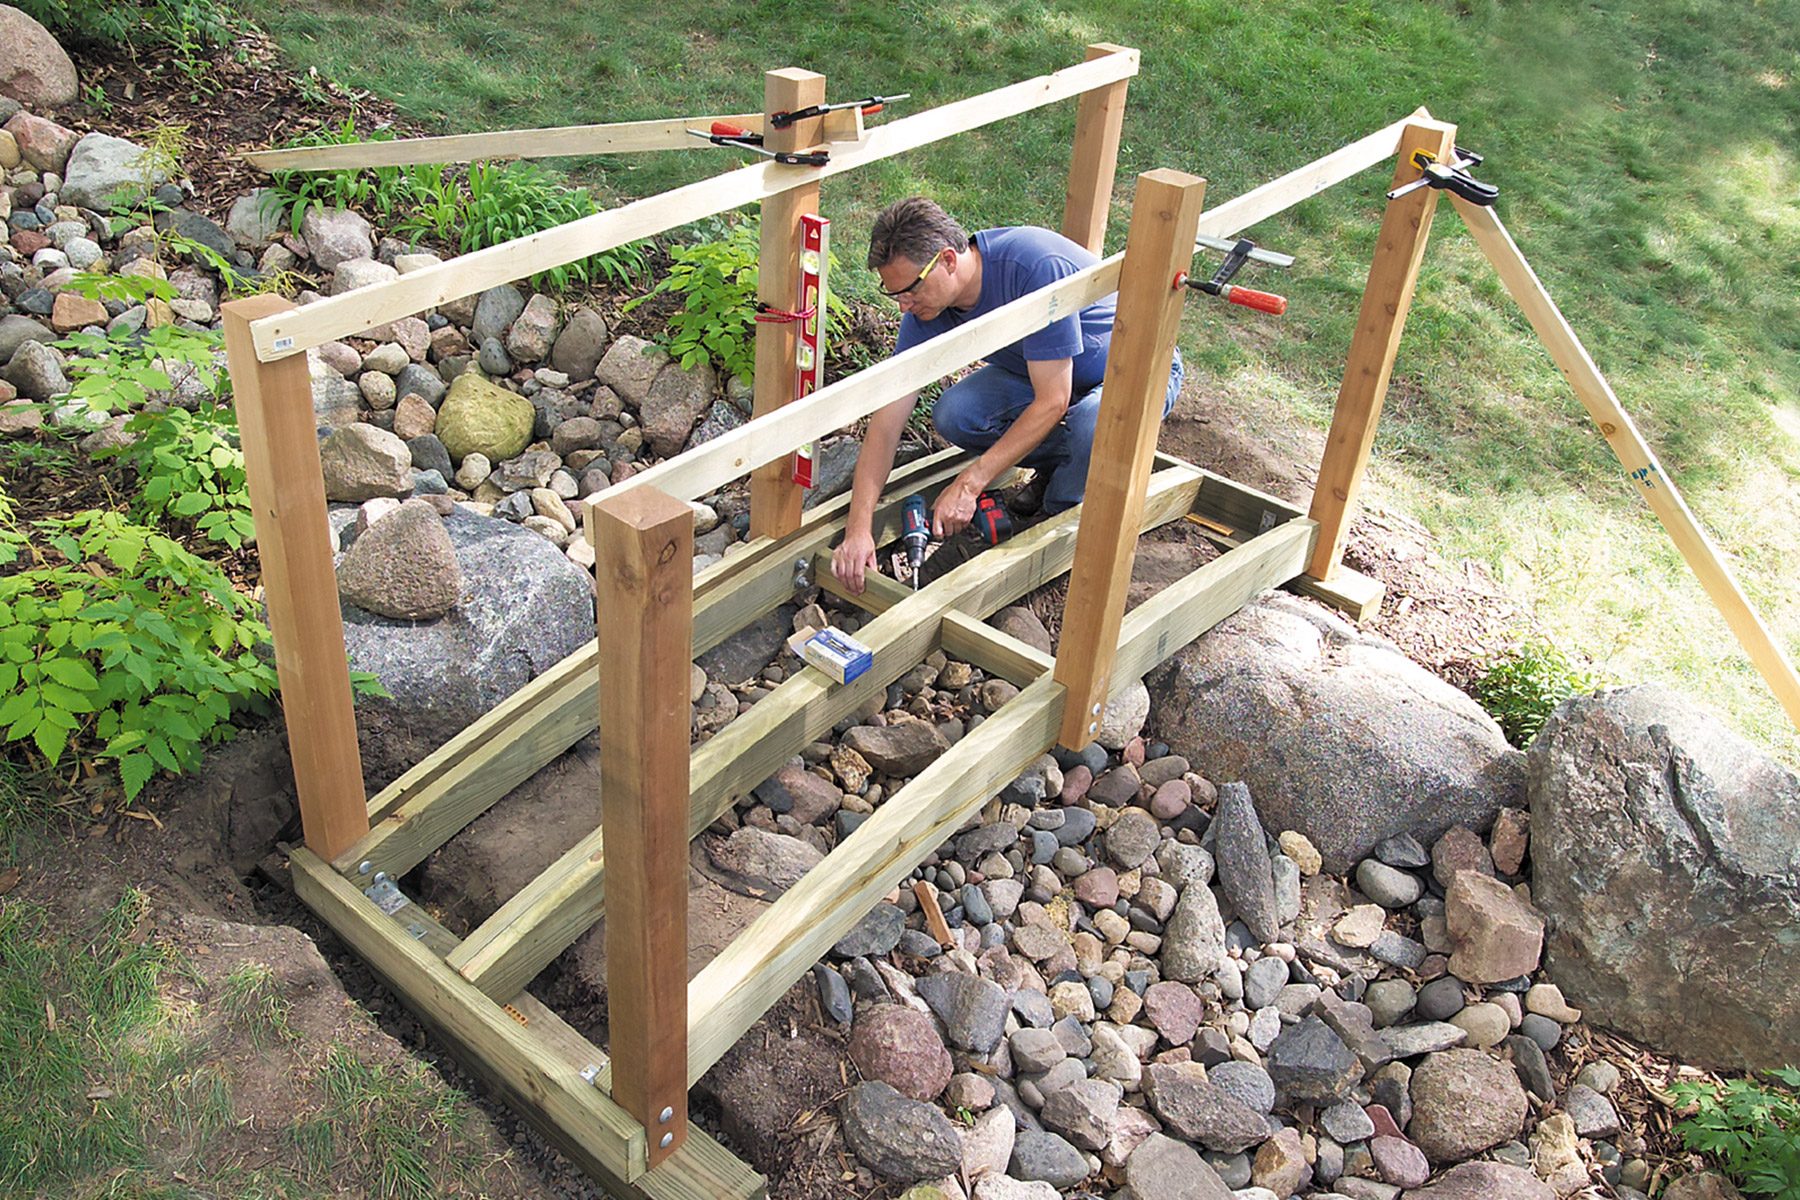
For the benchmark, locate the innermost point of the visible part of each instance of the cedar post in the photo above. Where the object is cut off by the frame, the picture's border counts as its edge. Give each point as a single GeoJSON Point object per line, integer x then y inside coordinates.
{"type": "Point", "coordinates": [644, 589]}
{"type": "Point", "coordinates": [1386, 298]}
{"type": "Point", "coordinates": [775, 499]}
{"type": "Point", "coordinates": [1095, 161]}
{"type": "Point", "coordinates": [1165, 215]}
{"type": "Point", "coordinates": [293, 539]}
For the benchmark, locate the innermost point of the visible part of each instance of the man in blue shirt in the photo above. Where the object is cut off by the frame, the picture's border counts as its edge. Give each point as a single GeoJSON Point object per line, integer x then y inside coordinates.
{"type": "Point", "coordinates": [1036, 401]}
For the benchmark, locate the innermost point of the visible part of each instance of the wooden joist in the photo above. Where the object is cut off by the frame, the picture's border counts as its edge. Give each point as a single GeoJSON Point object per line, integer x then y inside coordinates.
{"type": "Point", "coordinates": [519, 940]}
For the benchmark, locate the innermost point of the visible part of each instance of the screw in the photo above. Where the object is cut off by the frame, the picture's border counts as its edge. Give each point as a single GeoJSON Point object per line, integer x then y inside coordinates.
{"type": "Point", "coordinates": [380, 877]}
{"type": "Point", "coordinates": [364, 867]}
{"type": "Point", "coordinates": [665, 1116]}
{"type": "Point", "coordinates": [1096, 709]}
{"type": "Point", "coordinates": [1093, 726]}
{"type": "Point", "coordinates": [667, 1138]}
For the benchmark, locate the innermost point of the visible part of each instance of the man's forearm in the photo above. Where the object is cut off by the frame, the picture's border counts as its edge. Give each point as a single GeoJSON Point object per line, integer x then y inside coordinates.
{"type": "Point", "coordinates": [1027, 431]}
{"type": "Point", "coordinates": [876, 461]}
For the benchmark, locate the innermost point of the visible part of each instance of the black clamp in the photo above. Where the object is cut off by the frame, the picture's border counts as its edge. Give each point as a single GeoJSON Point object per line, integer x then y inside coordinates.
{"type": "Point", "coordinates": [869, 104]}
{"type": "Point", "coordinates": [1450, 177]}
{"type": "Point", "coordinates": [726, 134]}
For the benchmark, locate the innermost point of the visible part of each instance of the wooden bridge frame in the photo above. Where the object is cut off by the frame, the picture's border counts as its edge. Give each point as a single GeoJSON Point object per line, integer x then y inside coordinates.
{"type": "Point", "coordinates": [623, 1117]}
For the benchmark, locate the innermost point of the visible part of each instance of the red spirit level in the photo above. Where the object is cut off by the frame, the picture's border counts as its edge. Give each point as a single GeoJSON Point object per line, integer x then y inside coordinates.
{"type": "Point", "coordinates": [809, 346]}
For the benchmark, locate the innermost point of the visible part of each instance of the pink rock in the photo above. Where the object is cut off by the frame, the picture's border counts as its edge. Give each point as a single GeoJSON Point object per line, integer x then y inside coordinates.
{"type": "Point", "coordinates": [1099, 888]}
{"type": "Point", "coordinates": [1509, 840]}
{"type": "Point", "coordinates": [1459, 849]}
{"type": "Point", "coordinates": [1385, 1125]}
{"type": "Point", "coordinates": [1175, 1011]}
{"type": "Point", "coordinates": [1076, 782]}
{"type": "Point", "coordinates": [44, 144]}
{"type": "Point", "coordinates": [1399, 1161]}
{"type": "Point", "coordinates": [1171, 800]}
{"type": "Point", "coordinates": [900, 1046]}
{"type": "Point", "coordinates": [1495, 935]}
{"type": "Point", "coordinates": [34, 71]}
{"type": "Point", "coordinates": [1134, 752]}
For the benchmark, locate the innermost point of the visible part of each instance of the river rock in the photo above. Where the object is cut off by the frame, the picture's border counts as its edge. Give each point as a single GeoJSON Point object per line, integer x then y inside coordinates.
{"type": "Point", "coordinates": [1664, 854]}
{"type": "Point", "coordinates": [1194, 938]}
{"type": "Point", "coordinates": [1166, 1169]}
{"type": "Point", "coordinates": [36, 370]}
{"type": "Point", "coordinates": [1241, 854]}
{"type": "Point", "coordinates": [481, 417]}
{"type": "Point", "coordinates": [362, 462]}
{"type": "Point", "coordinates": [756, 862]}
{"type": "Point", "coordinates": [403, 566]}
{"type": "Point", "coordinates": [335, 236]}
{"type": "Point", "coordinates": [674, 402]}
{"type": "Point", "coordinates": [1464, 1102]}
{"type": "Point", "coordinates": [104, 171]}
{"type": "Point", "coordinates": [905, 748]}
{"type": "Point", "coordinates": [1197, 1110]}
{"type": "Point", "coordinates": [1361, 745]}
{"type": "Point", "coordinates": [580, 344]}
{"type": "Point", "coordinates": [899, 1139]}
{"type": "Point", "coordinates": [1494, 935]}
{"type": "Point", "coordinates": [1484, 1181]}
{"type": "Point", "coordinates": [900, 1046]}
{"type": "Point", "coordinates": [972, 1009]}
{"type": "Point", "coordinates": [43, 144]}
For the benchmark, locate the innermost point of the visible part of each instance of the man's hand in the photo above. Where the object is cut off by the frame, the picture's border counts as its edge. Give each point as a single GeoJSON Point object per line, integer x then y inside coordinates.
{"type": "Point", "coordinates": [854, 557]}
{"type": "Point", "coordinates": [954, 509]}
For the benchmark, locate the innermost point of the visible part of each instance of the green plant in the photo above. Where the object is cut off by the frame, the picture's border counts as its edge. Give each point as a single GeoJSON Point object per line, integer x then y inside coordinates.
{"type": "Point", "coordinates": [716, 282]}
{"type": "Point", "coordinates": [250, 998]}
{"type": "Point", "coordinates": [1752, 1129]}
{"type": "Point", "coordinates": [171, 23]}
{"type": "Point", "coordinates": [512, 200]}
{"type": "Point", "coordinates": [375, 189]}
{"type": "Point", "coordinates": [190, 468]}
{"type": "Point", "coordinates": [1521, 687]}
{"type": "Point", "coordinates": [121, 643]}
{"type": "Point", "coordinates": [118, 371]}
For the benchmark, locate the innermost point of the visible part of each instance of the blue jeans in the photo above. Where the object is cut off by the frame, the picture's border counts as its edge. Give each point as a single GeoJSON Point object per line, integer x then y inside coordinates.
{"type": "Point", "coordinates": [974, 413]}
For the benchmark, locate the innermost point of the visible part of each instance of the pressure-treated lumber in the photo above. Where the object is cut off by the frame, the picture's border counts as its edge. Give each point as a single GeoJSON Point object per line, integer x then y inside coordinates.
{"type": "Point", "coordinates": [470, 274]}
{"type": "Point", "coordinates": [293, 540]}
{"type": "Point", "coordinates": [431, 803]}
{"type": "Point", "coordinates": [1635, 455]}
{"type": "Point", "coordinates": [708, 467]}
{"type": "Point", "coordinates": [1387, 296]}
{"type": "Point", "coordinates": [962, 635]}
{"type": "Point", "coordinates": [644, 592]}
{"type": "Point", "coordinates": [519, 940]}
{"type": "Point", "coordinates": [1158, 247]}
{"type": "Point", "coordinates": [536, 1063]}
{"type": "Point", "coordinates": [1099, 118]}
{"type": "Point", "coordinates": [582, 1119]}
{"type": "Point", "coordinates": [732, 991]}
{"type": "Point", "coordinates": [775, 498]}
{"type": "Point", "coordinates": [620, 137]}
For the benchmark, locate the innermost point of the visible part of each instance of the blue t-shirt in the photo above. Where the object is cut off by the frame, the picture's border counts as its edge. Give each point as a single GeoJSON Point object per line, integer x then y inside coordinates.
{"type": "Point", "coordinates": [1015, 261]}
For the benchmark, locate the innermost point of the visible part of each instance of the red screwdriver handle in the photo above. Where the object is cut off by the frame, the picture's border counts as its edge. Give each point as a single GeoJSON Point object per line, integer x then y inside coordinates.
{"type": "Point", "coordinates": [727, 129]}
{"type": "Point", "coordinates": [1267, 302]}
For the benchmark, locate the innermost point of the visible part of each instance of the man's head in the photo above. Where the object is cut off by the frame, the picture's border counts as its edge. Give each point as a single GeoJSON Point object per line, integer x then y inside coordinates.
{"type": "Point", "coordinates": [919, 251]}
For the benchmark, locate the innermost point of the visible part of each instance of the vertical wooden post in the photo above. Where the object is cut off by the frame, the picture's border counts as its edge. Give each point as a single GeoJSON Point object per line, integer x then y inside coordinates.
{"type": "Point", "coordinates": [644, 588]}
{"type": "Point", "coordinates": [293, 539]}
{"type": "Point", "coordinates": [775, 499]}
{"type": "Point", "coordinates": [1165, 215]}
{"type": "Point", "coordinates": [1386, 298]}
{"type": "Point", "coordinates": [1095, 161]}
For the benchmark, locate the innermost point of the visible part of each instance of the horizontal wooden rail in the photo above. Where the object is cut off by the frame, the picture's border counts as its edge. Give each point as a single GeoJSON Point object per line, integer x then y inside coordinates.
{"type": "Point", "coordinates": [619, 137]}
{"type": "Point", "coordinates": [732, 991]}
{"type": "Point", "coordinates": [767, 438]}
{"type": "Point", "coordinates": [520, 939]}
{"type": "Point", "coordinates": [352, 312]}
{"type": "Point", "coordinates": [962, 636]}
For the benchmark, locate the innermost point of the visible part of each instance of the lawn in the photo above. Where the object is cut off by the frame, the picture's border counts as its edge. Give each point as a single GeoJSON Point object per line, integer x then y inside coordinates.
{"type": "Point", "coordinates": [1645, 154]}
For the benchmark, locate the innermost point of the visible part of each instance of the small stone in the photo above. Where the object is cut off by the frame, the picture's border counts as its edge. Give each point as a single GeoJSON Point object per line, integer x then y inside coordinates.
{"type": "Point", "coordinates": [1410, 1041]}
{"type": "Point", "coordinates": [1389, 1001]}
{"type": "Point", "coordinates": [902, 1140]}
{"type": "Point", "coordinates": [1457, 851]}
{"type": "Point", "coordinates": [1400, 1162]}
{"type": "Point", "coordinates": [899, 1046]}
{"type": "Point", "coordinates": [1359, 927]}
{"type": "Point", "coordinates": [1386, 886]}
{"type": "Point", "coordinates": [1403, 851]}
{"type": "Point", "coordinates": [1346, 1122]}
{"type": "Point", "coordinates": [1039, 1155]}
{"type": "Point", "coordinates": [988, 1144]}
{"type": "Point", "coordinates": [1556, 1154]}
{"type": "Point", "coordinates": [1245, 1082]}
{"type": "Point", "coordinates": [1441, 999]}
{"type": "Point", "coordinates": [1509, 840]}
{"type": "Point", "coordinates": [1192, 1108]}
{"type": "Point", "coordinates": [834, 994]}
{"type": "Point", "coordinates": [1542, 1030]}
{"type": "Point", "coordinates": [972, 1009]}
{"type": "Point", "coordinates": [1162, 1168]}
{"type": "Point", "coordinates": [1310, 1062]}
{"type": "Point", "coordinates": [1485, 1181]}
{"type": "Point", "coordinates": [1593, 1114]}
{"type": "Point", "coordinates": [1486, 1024]}
{"type": "Point", "coordinates": [1241, 854]}
{"type": "Point", "coordinates": [1599, 1075]}
{"type": "Point", "coordinates": [1546, 999]}
{"type": "Point", "coordinates": [1534, 1070]}
{"type": "Point", "coordinates": [1299, 848]}
{"type": "Point", "coordinates": [1264, 981]}
{"type": "Point", "coordinates": [1496, 935]}
{"type": "Point", "coordinates": [1174, 1010]}
{"type": "Point", "coordinates": [1464, 1102]}
{"type": "Point", "coordinates": [1280, 1165]}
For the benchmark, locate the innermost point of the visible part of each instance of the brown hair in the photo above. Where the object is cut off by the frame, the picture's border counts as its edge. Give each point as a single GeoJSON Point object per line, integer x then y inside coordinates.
{"type": "Point", "coordinates": [916, 229]}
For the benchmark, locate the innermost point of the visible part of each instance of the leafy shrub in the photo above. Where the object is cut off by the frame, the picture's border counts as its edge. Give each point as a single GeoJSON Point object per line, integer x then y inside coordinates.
{"type": "Point", "coordinates": [1751, 1129]}
{"type": "Point", "coordinates": [716, 280]}
{"type": "Point", "coordinates": [152, 22]}
{"type": "Point", "coordinates": [118, 371]}
{"type": "Point", "coordinates": [119, 642]}
{"type": "Point", "coordinates": [190, 468]}
{"type": "Point", "coordinates": [1521, 687]}
{"type": "Point", "coordinates": [377, 190]}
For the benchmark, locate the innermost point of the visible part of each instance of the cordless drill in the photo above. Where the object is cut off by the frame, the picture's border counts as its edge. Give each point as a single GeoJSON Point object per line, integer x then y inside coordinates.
{"type": "Point", "coordinates": [915, 525]}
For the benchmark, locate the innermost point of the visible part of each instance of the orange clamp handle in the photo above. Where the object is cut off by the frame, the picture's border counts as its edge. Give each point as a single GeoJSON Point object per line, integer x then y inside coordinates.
{"type": "Point", "coordinates": [1267, 302]}
{"type": "Point", "coordinates": [727, 129]}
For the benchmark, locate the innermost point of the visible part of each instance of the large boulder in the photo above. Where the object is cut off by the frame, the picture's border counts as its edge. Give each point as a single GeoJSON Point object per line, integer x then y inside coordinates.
{"type": "Point", "coordinates": [478, 416]}
{"type": "Point", "coordinates": [1338, 734]}
{"type": "Point", "coordinates": [106, 170]}
{"type": "Point", "coordinates": [44, 145]}
{"type": "Point", "coordinates": [403, 567]}
{"type": "Point", "coordinates": [34, 70]}
{"type": "Point", "coordinates": [523, 608]}
{"type": "Point", "coordinates": [1666, 859]}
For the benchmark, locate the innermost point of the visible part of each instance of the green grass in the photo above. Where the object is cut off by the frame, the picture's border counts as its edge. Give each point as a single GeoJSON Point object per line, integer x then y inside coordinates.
{"type": "Point", "coordinates": [1645, 155]}
{"type": "Point", "coordinates": [111, 1084]}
